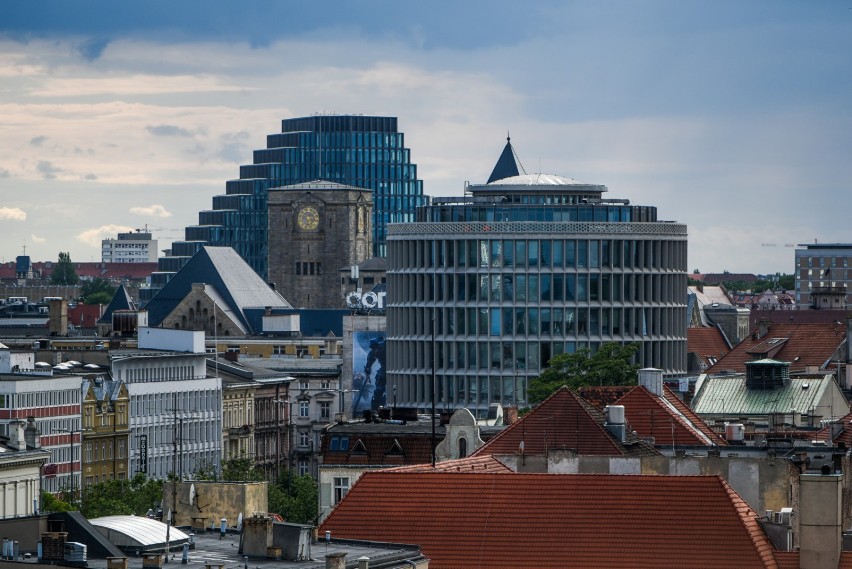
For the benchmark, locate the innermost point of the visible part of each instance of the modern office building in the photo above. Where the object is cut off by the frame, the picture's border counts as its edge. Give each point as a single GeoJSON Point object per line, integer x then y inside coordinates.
{"type": "Point", "coordinates": [824, 269]}
{"type": "Point", "coordinates": [484, 289]}
{"type": "Point", "coordinates": [354, 150]}
{"type": "Point", "coordinates": [132, 247]}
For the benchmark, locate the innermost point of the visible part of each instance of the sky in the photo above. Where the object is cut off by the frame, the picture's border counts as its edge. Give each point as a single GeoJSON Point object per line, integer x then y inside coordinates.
{"type": "Point", "coordinates": [734, 118]}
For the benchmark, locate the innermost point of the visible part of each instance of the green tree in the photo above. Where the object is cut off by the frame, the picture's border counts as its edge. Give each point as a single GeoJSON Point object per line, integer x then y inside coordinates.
{"type": "Point", "coordinates": [610, 365]}
{"type": "Point", "coordinates": [63, 272]}
{"type": "Point", "coordinates": [294, 498]}
{"type": "Point", "coordinates": [241, 470]}
{"type": "Point", "coordinates": [50, 503]}
{"type": "Point", "coordinates": [97, 291]}
{"type": "Point", "coordinates": [122, 497]}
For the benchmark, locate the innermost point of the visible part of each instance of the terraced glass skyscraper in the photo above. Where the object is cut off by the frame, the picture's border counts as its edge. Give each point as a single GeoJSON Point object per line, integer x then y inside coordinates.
{"type": "Point", "coordinates": [355, 150]}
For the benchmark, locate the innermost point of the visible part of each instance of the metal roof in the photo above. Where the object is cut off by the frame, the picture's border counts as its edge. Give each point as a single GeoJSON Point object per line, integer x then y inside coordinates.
{"type": "Point", "coordinates": [136, 531]}
{"type": "Point", "coordinates": [729, 395]}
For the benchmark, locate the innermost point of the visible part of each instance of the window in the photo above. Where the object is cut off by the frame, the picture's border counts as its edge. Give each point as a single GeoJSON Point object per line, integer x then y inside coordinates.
{"type": "Point", "coordinates": [341, 487]}
{"type": "Point", "coordinates": [304, 408]}
{"type": "Point", "coordinates": [303, 467]}
{"type": "Point", "coordinates": [325, 410]}
{"type": "Point", "coordinates": [304, 438]}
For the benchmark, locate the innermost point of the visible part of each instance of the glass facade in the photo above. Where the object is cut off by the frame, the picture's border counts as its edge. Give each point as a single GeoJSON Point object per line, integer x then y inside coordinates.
{"type": "Point", "coordinates": [507, 285]}
{"type": "Point", "coordinates": [362, 151]}
{"type": "Point", "coordinates": [823, 268]}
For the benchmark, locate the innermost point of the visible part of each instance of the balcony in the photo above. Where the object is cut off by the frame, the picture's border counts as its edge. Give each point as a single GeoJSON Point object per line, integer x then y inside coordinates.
{"type": "Point", "coordinates": [239, 432]}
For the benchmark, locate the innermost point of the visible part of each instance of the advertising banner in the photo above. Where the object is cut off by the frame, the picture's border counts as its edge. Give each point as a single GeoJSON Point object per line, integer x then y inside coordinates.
{"type": "Point", "coordinates": [369, 389]}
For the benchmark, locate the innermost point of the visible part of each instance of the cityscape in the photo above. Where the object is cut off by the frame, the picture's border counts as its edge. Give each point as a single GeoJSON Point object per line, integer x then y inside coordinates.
{"type": "Point", "coordinates": [396, 286]}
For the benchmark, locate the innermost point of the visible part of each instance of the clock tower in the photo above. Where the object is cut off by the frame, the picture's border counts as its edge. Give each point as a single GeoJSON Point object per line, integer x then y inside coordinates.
{"type": "Point", "coordinates": [315, 229]}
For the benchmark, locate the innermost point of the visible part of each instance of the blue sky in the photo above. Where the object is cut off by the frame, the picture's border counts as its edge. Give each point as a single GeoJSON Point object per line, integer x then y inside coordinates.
{"type": "Point", "coordinates": [731, 117]}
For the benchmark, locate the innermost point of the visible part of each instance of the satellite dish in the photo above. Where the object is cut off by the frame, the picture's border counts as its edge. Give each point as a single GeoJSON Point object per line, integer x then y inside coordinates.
{"type": "Point", "coordinates": [240, 522]}
{"type": "Point", "coordinates": [191, 494]}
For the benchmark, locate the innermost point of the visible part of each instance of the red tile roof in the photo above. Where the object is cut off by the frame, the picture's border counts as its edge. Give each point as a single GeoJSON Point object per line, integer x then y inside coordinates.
{"type": "Point", "coordinates": [843, 437]}
{"type": "Point", "coordinates": [801, 345]}
{"type": "Point", "coordinates": [478, 464]}
{"type": "Point", "coordinates": [88, 270]}
{"type": "Point", "coordinates": [707, 343]}
{"type": "Point", "coordinates": [601, 396]}
{"type": "Point", "coordinates": [556, 520]}
{"type": "Point", "coordinates": [563, 421]}
{"type": "Point", "coordinates": [667, 419]}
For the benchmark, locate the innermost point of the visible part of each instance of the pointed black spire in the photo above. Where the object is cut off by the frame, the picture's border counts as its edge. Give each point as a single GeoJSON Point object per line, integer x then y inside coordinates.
{"type": "Point", "coordinates": [507, 165]}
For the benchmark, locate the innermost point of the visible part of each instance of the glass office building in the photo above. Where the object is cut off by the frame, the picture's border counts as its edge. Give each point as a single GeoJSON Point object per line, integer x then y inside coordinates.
{"type": "Point", "coordinates": [354, 150]}
{"type": "Point", "coordinates": [519, 270]}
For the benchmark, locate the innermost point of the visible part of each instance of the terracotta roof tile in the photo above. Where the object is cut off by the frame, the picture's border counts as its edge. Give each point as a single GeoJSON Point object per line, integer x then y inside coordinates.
{"type": "Point", "coordinates": [471, 464]}
{"type": "Point", "coordinates": [601, 396]}
{"type": "Point", "coordinates": [556, 520]}
{"type": "Point", "coordinates": [563, 421]}
{"type": "Point", "coordinates": [811, 344]}
{"type": "Point", "coordinates": [707, 343]}
{"type": "Point", "coordinates": [667, 419]}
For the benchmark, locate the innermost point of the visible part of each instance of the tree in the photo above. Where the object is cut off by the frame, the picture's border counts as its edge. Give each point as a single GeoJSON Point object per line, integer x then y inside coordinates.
{"type": "Point", "coordinates": [610, 365]}
{"type": "Point", "coordinates": [63, 272]}
{"type": "Point", "coordinates": [50, 503]}
{"type": "Point", "coordinates": [294, 498]}
{"type": "Point", "coordinates": [97, 291]}
{"type": "Point", "coordinates": [122, 497]}
{"type": "Point", "coordinates": [241, 470]}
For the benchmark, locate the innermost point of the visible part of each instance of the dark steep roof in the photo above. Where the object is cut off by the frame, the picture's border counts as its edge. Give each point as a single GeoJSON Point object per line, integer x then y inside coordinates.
{"type": "Point", "coordinates": [507, 165]}
{"type": "Point", "coordinates": [233, 280]}
{"type": "Point", "coordinates": [120, 301]}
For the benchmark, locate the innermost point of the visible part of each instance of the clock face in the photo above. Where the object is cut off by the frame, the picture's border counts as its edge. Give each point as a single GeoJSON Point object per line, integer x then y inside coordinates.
{"type": "Point", "coordinates": [308, 218]}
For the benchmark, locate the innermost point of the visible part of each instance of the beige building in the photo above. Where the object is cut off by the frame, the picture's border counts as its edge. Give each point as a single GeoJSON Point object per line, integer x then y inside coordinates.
{"type": "Point", "coordinates": [106, 430]}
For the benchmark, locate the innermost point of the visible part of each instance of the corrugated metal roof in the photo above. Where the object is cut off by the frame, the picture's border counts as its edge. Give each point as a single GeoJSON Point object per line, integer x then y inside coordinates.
{"type": "Point", "coordinates": [144, 531]}
{"type": "Point", "coordinates": [729, 395]}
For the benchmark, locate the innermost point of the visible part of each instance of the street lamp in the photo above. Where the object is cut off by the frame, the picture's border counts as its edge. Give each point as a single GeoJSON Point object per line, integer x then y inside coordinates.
{"type": "Point", "coordinates": [71, 457]}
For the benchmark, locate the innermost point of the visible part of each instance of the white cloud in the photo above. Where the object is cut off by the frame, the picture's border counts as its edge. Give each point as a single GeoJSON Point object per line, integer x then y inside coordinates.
{"type": "Point", "coordinates": [93, 237]}
{"type": "Point", "coordinates": [13, 213]}
{"type": "Point", "coordinates": [36, 239]}
{"type": "Point", "coordinates": [155, 210]}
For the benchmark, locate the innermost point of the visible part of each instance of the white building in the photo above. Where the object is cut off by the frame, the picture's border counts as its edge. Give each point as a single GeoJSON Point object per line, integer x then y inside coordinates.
{"type": "Point", "coordinates": [175, 406]}
{"type": "Point", "coordinates": [130, 247]}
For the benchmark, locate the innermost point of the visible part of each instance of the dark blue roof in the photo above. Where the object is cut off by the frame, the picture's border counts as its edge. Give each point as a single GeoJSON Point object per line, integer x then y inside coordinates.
{"type": "Point", "coordinates": [236, 288]}
{"type": "Point", "coordinates": [322, 322]}
{"type": "Point", "coordinates": [120, 301]}
{"type": "Point", "coordinates": [507, 165]}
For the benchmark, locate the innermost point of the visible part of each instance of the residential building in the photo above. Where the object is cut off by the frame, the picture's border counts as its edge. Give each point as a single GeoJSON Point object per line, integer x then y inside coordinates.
{"type": "Point", "coordinates": [175, 404]}
{"type": "Point", "coordinates": [106, 430]}
{"type": "Point", "coordinates": [824, 268]}
{"type": "Point", "coordinates": [131, 247]}
{"type": "Point", "coordinates": [484, 289]}
{"type": "Point", "coordinates": [769, 401]}
{"type": "Point", "coordinates": [238, 416]}
{"type": "Point", "coordinates": [315, 229]}
{"type": "Point", "coordinates": [354, 150]}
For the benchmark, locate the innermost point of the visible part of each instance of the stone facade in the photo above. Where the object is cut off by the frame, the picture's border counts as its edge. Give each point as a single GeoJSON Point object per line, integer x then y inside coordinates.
{"type": "Point", "coordinates": [213, 501]}
{"type": "Point", "coordinates": [198, 311]}
{"type": "Point", "coordinates": [315, 229]}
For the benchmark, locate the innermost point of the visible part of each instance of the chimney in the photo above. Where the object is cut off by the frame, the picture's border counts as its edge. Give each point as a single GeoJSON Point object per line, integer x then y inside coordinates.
{"type": "Point", "coordinates": [820, 520]}
{"type": "Point", "coordinates": [31, 434]}
{"type": "Point", "coordinates": [17, 438]}
{"type": "Point", "coordinates": [615, 423]}
{"type": "Point", "coordinates": [762, 329]}
{"type": "Point", "coordinates": [363, 562]}
{"type": "Point", "coordinates": [335, 561]}
{"type": "Point", "coordinates": [652, 380]}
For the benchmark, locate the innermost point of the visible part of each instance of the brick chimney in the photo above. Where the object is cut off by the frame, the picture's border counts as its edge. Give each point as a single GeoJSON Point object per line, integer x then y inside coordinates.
{"type": "Point", "coordinates": [17, 438]}
{"type": "Point", "coordinates": [335, 561]}
{"type": "Point", "coordinates": [31, 434]}
{"type": "Point", "coordinates": [820, 520]}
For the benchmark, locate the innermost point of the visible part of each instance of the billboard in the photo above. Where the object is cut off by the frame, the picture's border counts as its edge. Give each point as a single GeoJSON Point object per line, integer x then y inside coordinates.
{"type": "Point", "coordinates": [369, 388]}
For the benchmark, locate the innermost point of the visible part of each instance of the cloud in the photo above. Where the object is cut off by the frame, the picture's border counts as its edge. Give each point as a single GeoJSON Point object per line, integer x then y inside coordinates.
{"type": "Point", "coordinates": [4, 173]}
{"type": "Point", "coordinates": [155, 210]}
{"type": "Point", "coordinates": [93, 237]}
{"type": "Point", "coordinates": [47, 170]}
{"type": "Point", "coordinates": [92, 49]}
{"type": "Point", "coordinates": [168, 130]}
{"type": "Point", "coordinates": [90, 177]}
{"type": "Point", "coordinates": [37, 140]}
{"type": "Point", "coordinates": [36, 239]}
{"type": "Point", "coordinates": [13, 213]}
